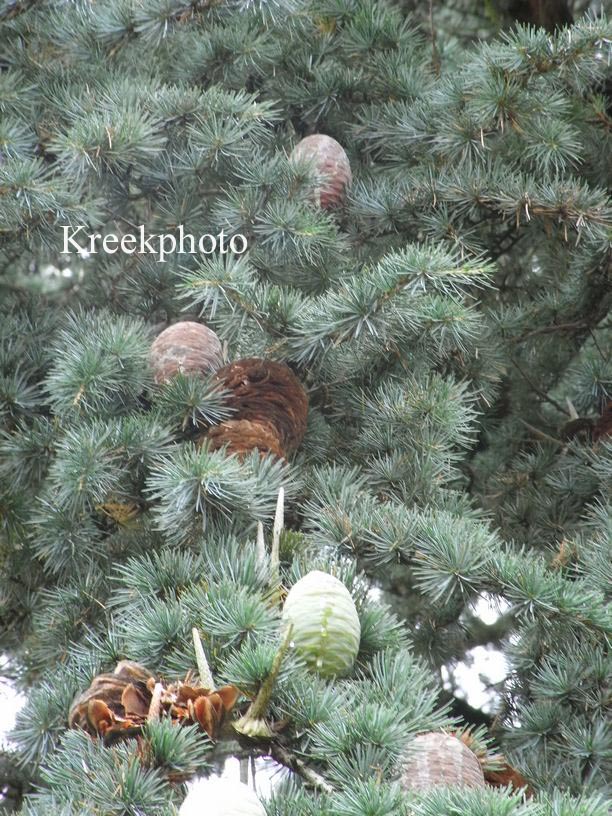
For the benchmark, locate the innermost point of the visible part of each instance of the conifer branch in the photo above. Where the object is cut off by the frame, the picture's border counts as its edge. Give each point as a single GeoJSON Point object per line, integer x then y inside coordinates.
{"type": "Point", "coordinates": [546, 397]}
{"type": "Point", "coordinates": [285, 757]}
{"type": "Point", "coordinates": [254, 724]}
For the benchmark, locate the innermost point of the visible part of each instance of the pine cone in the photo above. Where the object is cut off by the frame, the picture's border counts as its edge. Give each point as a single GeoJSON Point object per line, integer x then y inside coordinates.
{"type": "Point", "coordinates": [119, 699]}
{"type": "Point", "coordinates": [185, 348]}
{"type": "Point", "coordinates": [243, 435]}
{"type": "Point", "coordinates": [331, 163]}
{"type": "Point", "coordinates": [435, 759]}
{"type": "Point", "coordinates": [270, 404]}
{"type": "Point", "coordinates": [117, 705]}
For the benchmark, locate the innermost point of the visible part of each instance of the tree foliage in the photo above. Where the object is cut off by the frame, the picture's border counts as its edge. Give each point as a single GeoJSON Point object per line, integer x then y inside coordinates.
{"type": "Point", "coordinates": [450, 322]}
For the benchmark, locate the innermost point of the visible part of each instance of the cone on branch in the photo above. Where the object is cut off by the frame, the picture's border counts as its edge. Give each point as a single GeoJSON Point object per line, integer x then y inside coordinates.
{"type": "Point", "coordinates": [115, 704]}
{"type": "Point", "coordinates": [325, 624]}
{"type": "Point", "coordinates": [185, 348]}
{"type": "Point", "coordinates": [435, 760]}
{"type": "Point", "coordinates": [331, 164]}
{"type": "Point", "coordinates": [119, 704]}
{"type": "Point", "coordinates": [270, 408]}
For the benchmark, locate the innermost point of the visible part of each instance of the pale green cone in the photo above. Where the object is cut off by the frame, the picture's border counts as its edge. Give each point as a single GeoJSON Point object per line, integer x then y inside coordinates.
{"type": "Point", "coordinates": [326, 628]}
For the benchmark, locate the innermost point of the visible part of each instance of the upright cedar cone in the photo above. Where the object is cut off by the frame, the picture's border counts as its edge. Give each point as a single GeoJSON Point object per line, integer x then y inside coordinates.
{"type": "Point", "coordinates": [270, 406]}
{"type": "Point", "coordinates": [434, 760]}
{"type": "Point", "coordinates": [332, 165]}
{"type": "Point", "coordinates": [185, 348]}
{"type": "Point", "coordinates": [326, 629]}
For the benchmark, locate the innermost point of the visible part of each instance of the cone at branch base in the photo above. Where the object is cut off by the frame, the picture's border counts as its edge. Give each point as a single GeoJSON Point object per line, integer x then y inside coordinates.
{"type": "Point", "coordinates": [332, 165]}
{"type": "Point", "coordinates": [435, 760]}
{"type": "Point", "coordinates": [326, 627]}
{"type": "Point", "coordinates": [270, 406]}
{"type": "Point", "coordinates": [185, 348]}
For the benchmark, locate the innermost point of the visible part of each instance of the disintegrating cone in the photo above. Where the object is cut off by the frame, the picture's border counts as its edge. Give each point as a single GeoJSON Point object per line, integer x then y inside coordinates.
{"type": "Point", "coordinates": [118, 705]}
{"type": "Point", "coordinates": [435, 760]}
{"type": "Point", "coordinates": [331, 164]}
{"type": "Point", "coordinates": [113, 701]}
{"type": "Point", "coordinates": [244, 435]}
{"type": "Point", "coordinates": [270, 405]}
{"type": "Point", "coordinates": [185, 348]}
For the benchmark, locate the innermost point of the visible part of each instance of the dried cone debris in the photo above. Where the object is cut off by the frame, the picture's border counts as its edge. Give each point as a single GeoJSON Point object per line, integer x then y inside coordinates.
{"type": "Point", "coordinates": [185, 348]}
{"type": "Point", "coordinates": [118, 705]}
{"type": "Point", "coordinates": [115, 702]}
{"type": "Point", "coordinates": [434, 760]}
{"type": "Point", "coordinates": [270, 407]}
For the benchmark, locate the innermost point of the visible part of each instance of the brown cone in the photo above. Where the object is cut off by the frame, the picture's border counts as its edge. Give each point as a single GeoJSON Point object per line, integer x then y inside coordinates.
{"type": "Point", "coordinates": [331, 163]}
{"type": "Point", "coordinates": [435, 760]}
{"type": "Point", "coordinates": [118, 705]}
{"type": "Point", "coordinates": [109, 694]}
{"type": "Point", "coordinates": [270, 405]}
{"type": "Point", "coordinates": [185, 348]}
{"type": "Point", "coordinates": [244, 435]}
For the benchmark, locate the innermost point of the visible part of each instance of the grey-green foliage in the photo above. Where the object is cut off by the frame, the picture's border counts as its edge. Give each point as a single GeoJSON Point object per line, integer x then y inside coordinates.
{"type": "Point", "coordinates": [447, 321]}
